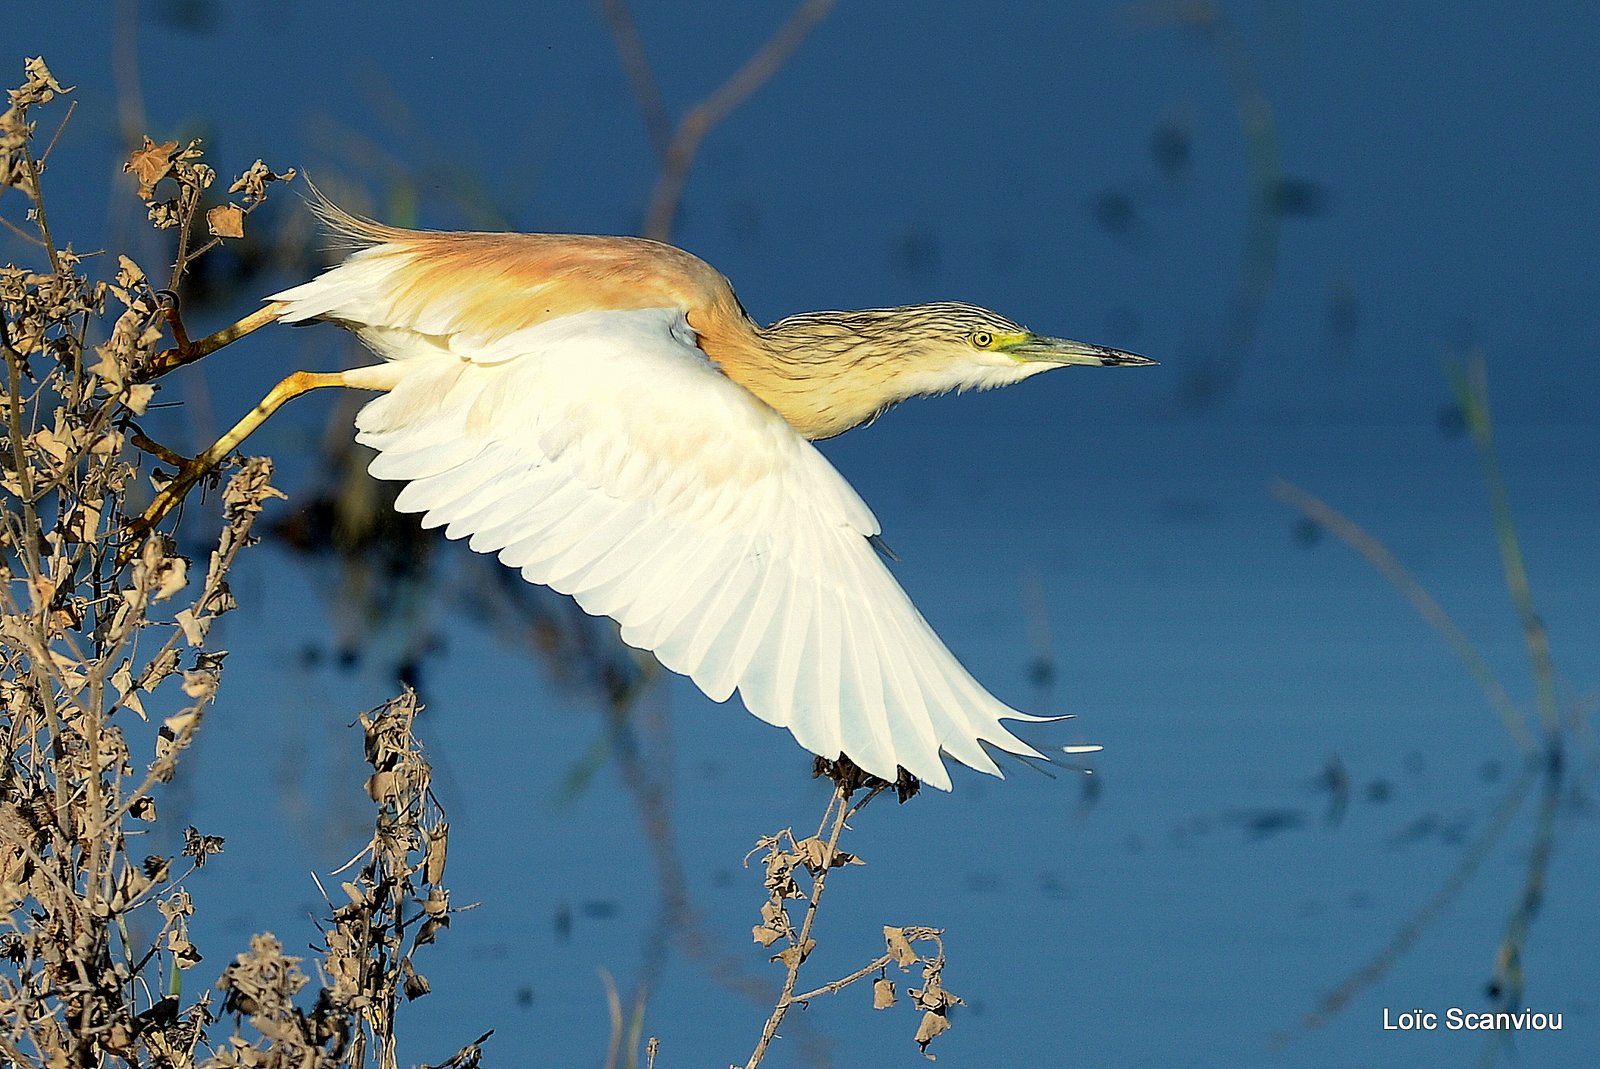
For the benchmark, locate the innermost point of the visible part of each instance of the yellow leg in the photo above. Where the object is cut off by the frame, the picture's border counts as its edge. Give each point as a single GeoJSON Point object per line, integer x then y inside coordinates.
{"type": "Point", "coordinates": [188, 351]}
{"type": "Point", "coordinates": [190, 471]}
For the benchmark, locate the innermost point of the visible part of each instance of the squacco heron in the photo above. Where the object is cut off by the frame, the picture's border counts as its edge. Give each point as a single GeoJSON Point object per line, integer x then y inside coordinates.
{"type": "Point", "coordinates": [602, 415]}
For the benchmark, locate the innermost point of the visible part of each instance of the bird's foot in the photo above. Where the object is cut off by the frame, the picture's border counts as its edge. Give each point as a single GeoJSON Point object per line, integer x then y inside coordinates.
{"type": "Point", "coordinates": [182, 351]}
{"type": "Point", "coordinates": [168, 498]}
{"type": "Point", "coordinates": [186, 350]}
{"type": "Point", "coordinates": [849, 778]}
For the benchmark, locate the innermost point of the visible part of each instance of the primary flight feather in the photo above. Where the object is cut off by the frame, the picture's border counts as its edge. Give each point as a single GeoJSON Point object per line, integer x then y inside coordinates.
{"type": "Point", "coordinates": [602, 415]}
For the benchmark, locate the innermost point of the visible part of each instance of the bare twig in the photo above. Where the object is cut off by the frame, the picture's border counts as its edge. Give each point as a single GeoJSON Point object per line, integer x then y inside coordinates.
{"type": "Point", "coordinates": [21, 234]}
{"type": "Point", "coordinates": [800, 945]}
{"type": "Point", "coordinates": [636, 64]}
{"type": "Point", "coordinates": [61, 127]}
{"type": "Point", "coordinates": [623, 1046]}
{"type": "Point", "coordinates": [36, 195]}
{"type": "Point", "coordinates": [1216, 376]}
{"type": "Point", "coordinates": [1470, 382]}
{"type": "Point", "coordinates": [1508, 986]}
{"type": "Point", "coordinates": [691, 130]}
{"type": "Point", "coordinates": [614, 1014]}
{"type": "Point", "coordinates": [833, 987]}
{"type": "Point", "coordinates": [1429, 609]}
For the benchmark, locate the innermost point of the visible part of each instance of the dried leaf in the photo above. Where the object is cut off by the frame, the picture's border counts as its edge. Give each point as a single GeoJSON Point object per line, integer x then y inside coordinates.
{"type": "Point", "coordinates": [119, 1041]}
{"type": "Point", "coordinates": [108, 444]}
{"type": "Point", "coordinates": [176, 905]}
{"type": "Point", "coordinates": [159, 668]}
{"type": "Point", "coordinates": [194, 627]}
{"type": "Point", "coordinates": [932, 995]}
{"type": "Point", "coordinates": [137, 399]}
{"type": "Point", "coordinates": [180, 723]}
{"type": "Point", "coordinates": [416, 985]}
{"type": "Point", "coordinates": [882, 993]}
{"type": "Point", "coordinates": [226, 221]}
{"type": "Point", "coordinates": [381, 786]}
{"type": "Point", "coordinates": [797, 954]}
{"type": "Point", "coordinates": [813, 854]}
{"type": "Point", "coordinates": [428, 932]}
{"type": "Point", "coordinates": [112, 752]}
{"type": "Point", "coordinates": [83, 524]}
{"type": "Point", "coordinates": [438, 840]}
{"type": "Point", "coordinates": [200, 847]}
{"type": "Point", "coordinates": [253, 183]}
{"type": "Point", "coordinates": [248, 490]}
{"type": "Point", "coordinates": [184, 953]}
{"type": "Point", "coordinates": [37, 72]}
{"type": "Point", "coordinates": [933, 1024]}
{"type": "Point", "coordinates": [122, 680]}
{"type": "Point", "coordinates": [41, 86]}
{"type": "Point", "coordinates": [437, 906]}
{"type": "Point", "coordinates": [150, 164]}
{"type": "Point", "coordinates": [130, 276]}
{"type": "Point", "coordinates": [163, 214]}
{"type": "Point", "coordinates": [47, 441]}
{"type": "Point", "coordinates": [172, 575]}
{"type": "Point", "coordinates": [200, 683]}
{"type": "Point", "coordinates": [899, 946]}
{"type": "Point", "coordinates": [108, 368]}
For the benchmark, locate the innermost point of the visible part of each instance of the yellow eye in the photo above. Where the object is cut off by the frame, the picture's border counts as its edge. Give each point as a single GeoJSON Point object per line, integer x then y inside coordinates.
{"type": "Point", "coordinates": [982, 339]}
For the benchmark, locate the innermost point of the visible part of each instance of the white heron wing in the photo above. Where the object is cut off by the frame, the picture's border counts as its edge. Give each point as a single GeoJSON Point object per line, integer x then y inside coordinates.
{"type": "Point", "coordinates": [602, 454]}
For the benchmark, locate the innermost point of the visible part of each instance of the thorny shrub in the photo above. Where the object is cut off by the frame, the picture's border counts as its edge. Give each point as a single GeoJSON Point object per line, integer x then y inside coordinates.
{"type": "Point", "coordinates": [107, 675]}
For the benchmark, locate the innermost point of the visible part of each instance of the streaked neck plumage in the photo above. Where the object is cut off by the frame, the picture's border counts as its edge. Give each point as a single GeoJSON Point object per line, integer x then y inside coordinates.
{"type": "Point", "coordinates": [826, 372]}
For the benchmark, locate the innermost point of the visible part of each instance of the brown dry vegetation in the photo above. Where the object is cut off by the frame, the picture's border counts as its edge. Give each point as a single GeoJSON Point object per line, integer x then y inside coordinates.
{"type": "Point", "coordinates": [106, 679]}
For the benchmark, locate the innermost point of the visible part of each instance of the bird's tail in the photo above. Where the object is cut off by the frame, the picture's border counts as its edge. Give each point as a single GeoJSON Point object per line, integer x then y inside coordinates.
{"type": "Point", "coordinates": [346, 231]}
{"type": "Point", "coordinates": [359, 289]}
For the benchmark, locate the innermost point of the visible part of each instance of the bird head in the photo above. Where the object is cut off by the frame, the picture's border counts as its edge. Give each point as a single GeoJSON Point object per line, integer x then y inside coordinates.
{"type": "Point", "coordinates": [922, 349]}
{"type": "Point", "coordinates": [972, 347]}
{"type": "Point", "coordinates": [836, 370]}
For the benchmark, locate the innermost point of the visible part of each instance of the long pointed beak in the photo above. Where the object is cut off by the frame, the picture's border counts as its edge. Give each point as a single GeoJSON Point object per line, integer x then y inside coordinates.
{"type": "Point", "coordinates": [1065, 351]}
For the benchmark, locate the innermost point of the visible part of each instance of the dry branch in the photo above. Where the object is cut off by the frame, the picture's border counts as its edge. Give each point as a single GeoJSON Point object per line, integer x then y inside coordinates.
{"type": "Point", "coordinates": [107, 672]}
{"type": "Point", "coordinates": [678, 150]}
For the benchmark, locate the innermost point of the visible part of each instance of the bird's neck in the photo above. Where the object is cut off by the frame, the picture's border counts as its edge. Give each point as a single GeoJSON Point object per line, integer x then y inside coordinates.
{"type": "Point", "coordinates": [824, 372]}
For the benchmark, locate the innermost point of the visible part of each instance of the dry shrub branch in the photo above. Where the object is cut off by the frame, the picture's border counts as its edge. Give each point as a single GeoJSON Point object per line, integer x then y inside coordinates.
{"type": "Point", "coordinates": [108, 672]}
{"type": "Point", "coordinates": [796, 871]}
{"type": "Point", "coordinates": [678, 144]}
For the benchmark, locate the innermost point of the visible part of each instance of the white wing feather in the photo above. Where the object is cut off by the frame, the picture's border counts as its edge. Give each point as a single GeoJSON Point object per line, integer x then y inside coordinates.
{"type": "Point", "coordinates": [602, 454]}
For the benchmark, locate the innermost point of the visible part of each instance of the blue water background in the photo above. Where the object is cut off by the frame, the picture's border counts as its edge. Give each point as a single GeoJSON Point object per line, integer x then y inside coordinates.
{"type": "Point", "coordinates": [1196, 905]}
